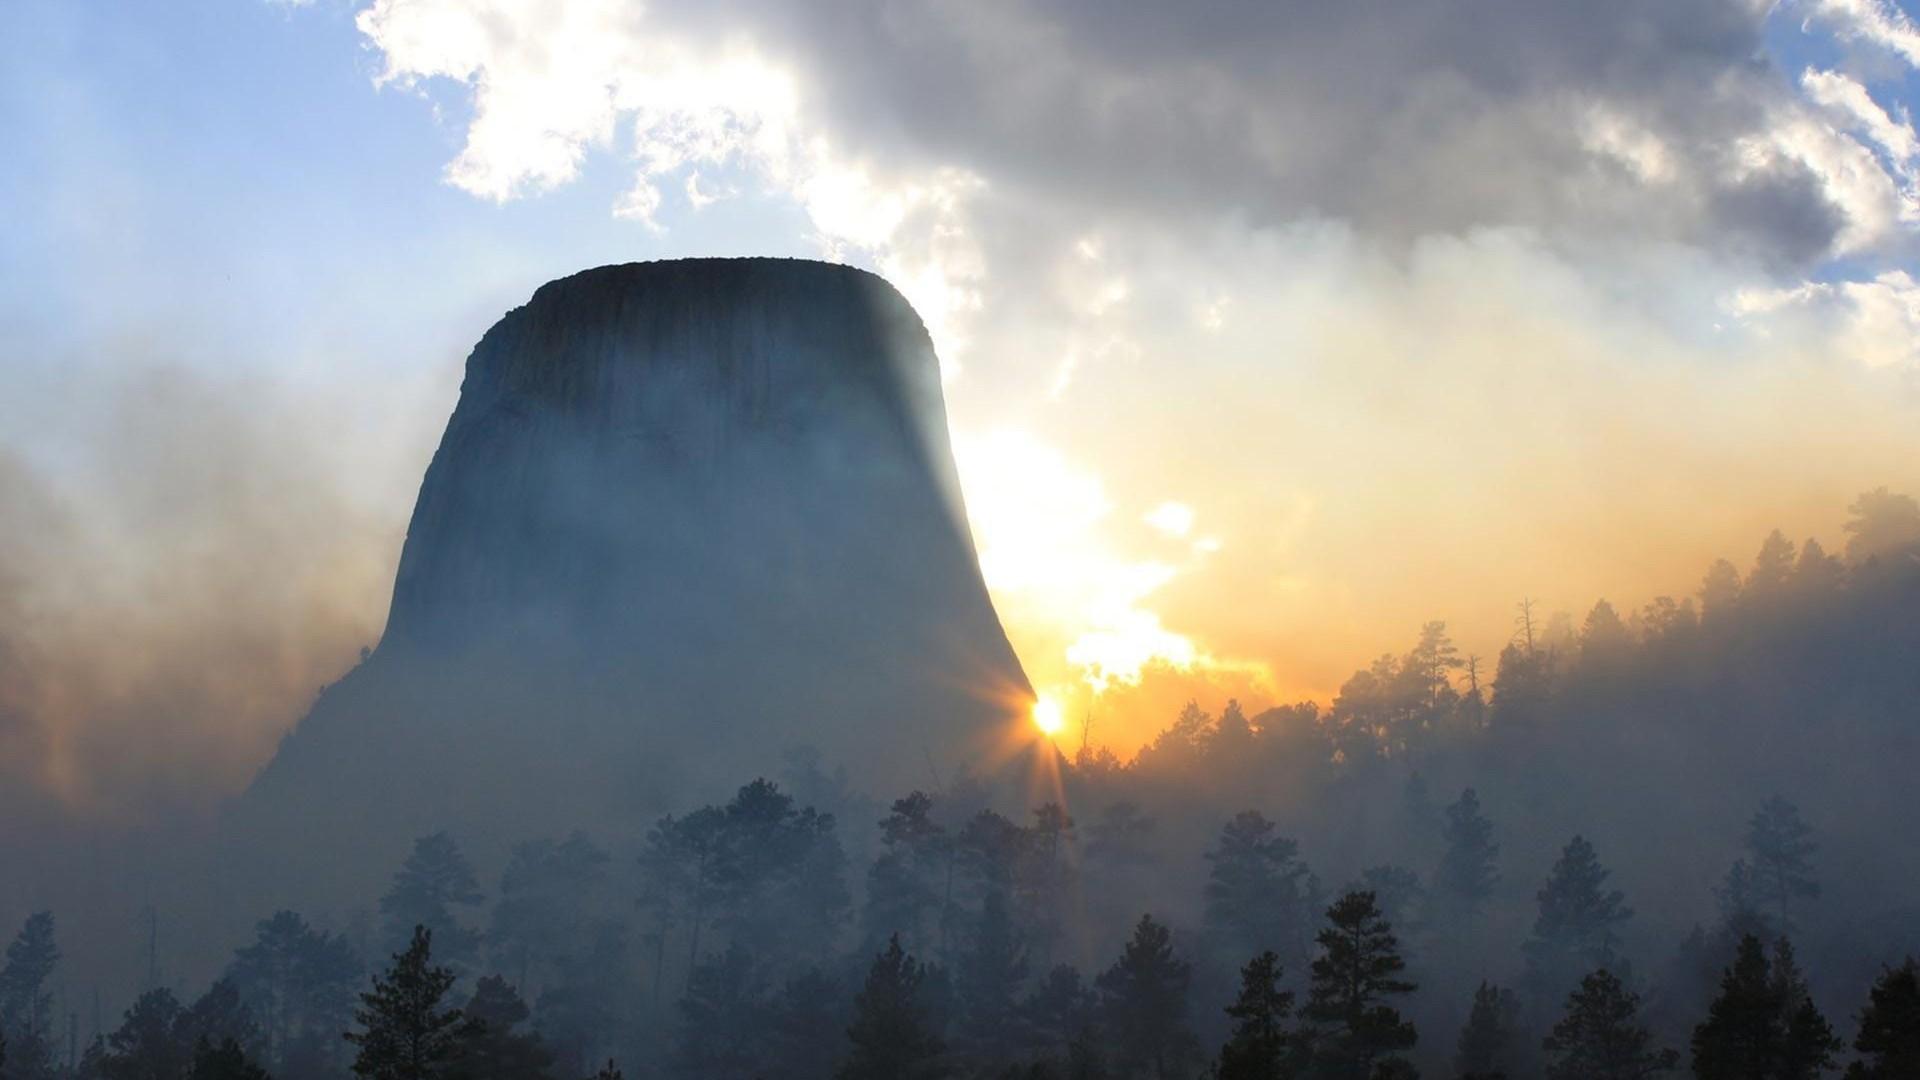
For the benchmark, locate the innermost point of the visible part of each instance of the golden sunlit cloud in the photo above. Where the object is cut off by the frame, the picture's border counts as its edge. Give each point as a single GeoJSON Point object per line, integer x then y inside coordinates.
{"type": "Point", "coordinates": [1073, 601]}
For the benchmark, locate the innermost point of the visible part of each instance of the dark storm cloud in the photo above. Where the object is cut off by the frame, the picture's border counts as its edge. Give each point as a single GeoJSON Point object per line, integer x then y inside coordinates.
{"type": "Point", "coordinates": [1404, 119]}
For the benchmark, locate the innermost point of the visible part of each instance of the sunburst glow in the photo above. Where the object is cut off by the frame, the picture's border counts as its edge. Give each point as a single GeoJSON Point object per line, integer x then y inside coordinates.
{"type": "Point", "coordinates": [1047, 716]}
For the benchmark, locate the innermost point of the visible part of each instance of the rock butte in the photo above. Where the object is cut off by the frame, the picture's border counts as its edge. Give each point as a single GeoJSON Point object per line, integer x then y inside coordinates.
{"type": "Point", "coordinates": [686, 517]}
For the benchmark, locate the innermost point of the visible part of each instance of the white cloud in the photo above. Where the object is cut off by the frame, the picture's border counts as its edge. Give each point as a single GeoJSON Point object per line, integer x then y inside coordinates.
{"type": "Point", "coordinates": [1877, 21]}
{"type": "Point", "coordinates": [1846, 96]}
{"type": "Point", "coordinates": [1874, 322]}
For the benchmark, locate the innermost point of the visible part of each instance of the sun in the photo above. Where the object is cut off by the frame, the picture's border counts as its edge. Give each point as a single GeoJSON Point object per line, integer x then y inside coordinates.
{"type": "Point", "coordinates": [1047, 716]}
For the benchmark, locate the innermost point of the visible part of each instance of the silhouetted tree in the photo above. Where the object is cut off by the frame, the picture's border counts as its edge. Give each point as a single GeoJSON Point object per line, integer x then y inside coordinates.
{"type": "Point", "coordinates": [1781, 846]}
{"type": "Point", "coordinates": [1253, 892]}
{"type": "Point", "coordinates": [434, 880]}
{"type": "Point", "coordinates": [908, 885]}
{"type": "Point", "coordinates": [1772, 571]}
{"type": "Point", "coordinates": [807, 1026]}
{"type": "Point", "coordinates": [1467, 873]}
{"type": "Point", "coordinates": [25, 1000]}
{"type": "Point", "coordinates": [680, 872]}
{"type": "Point", "coordinates": [147, 1044]}
{"type": "Point", "coordinates": [491, 1047]}
{"type": "Point", "coordinates": [586, 996]}
{"type": "Point", "coordinates": [1818, 575]}
{"type": "Point", "coordinates": [299, 984]}
{"type": "Point", "coordinates": [1881, 522]}
{"type": "Point", "coordinates": [218, 1015]}
{"type": "Point", "coordinates": [225, 1060]}
{"type": "Point", "coordinates": [1604, 637]}
{"type": "Point", "coordinates": [1143, 1005]}
{"type": "Point", "coordinates": [1741, 908]}
{"type": "Point", "coordinates": [1762, 1026]}
{"type": "Point", "coordinates": [1601, 1037]}
{"type": "Point", "coordinates": [1058, 1010]}
{"type": "Point", "coordinates": [781, 876]}
{"type": "Point", "coordinates": [406, 1033]}
{"type": "Point", "coordinates": [1889, 1037]}
{"type": "Point", "coordinates": [1719, 591]}
{"type": "Point", "coordinates": [1398, 894]}
{"type": "Point", "coordinates": [1487, 1041]}
{"type": "Point", "coordinates": [1261, 1046]}
{"type": "Point", "coordinates": [987, 980]}
{"type": "Point", "coordinates": [1574, 930]}
{"type": "Point", "coordinates": [1044, 885]}
{"type": "Point", "coordinates": [546, 910]}
{"type": "Point", "coordinates": [720, 1020]}
{"type": "Point", "coordinates": [1354, 1028]}
{"type": "Point", "coordinates": [1522, 689]}
{"type": "Point", "coordinates": [893, 1036]}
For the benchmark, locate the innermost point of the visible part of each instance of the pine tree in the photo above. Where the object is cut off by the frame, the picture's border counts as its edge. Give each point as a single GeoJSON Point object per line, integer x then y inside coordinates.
{"type": "Point", "coordinates": [1719, 591]}
{"type": "Point", "coordinates": [546, 908]}
{"type": "Point", "coordinates": [1604, 636]}
{"type": "Point", "coordinates": [720, 1019]}
{"type": "Point", "coordinates": [1880, 523]}
{"type": "Point", "coordinates": [1772, 568]}
{"type": "Point", "coordinates": [908, 886]}
{"type": "Point", "coordinates": [780, 876]}
{"type": "Point", "coordinates": [1601, 1037]}
{"type": "Point", "coordinates": [147, 1044]}
{"type": "Point", "coordinates": [807, 1022]}
{"type": "Point", "coordinates": [609, 1071]}
{"type": "Point", "coordinates": [300, 984]}
{"type": "Point", "coordinates": [1398, 894]}
{"type": "Point", "coordinates": [1809, 1043]}
{"type": "Point", "coordinates": [1889, 1036]}
{"type": "Point", "coordinates": [1143, 1003]}
{"type": "Point", "coordinates": [405, 1033]}
{"type": "Point", "coordinates": [1260, 1047]}
{"type": "Point", "coordinates": [1745, 1034]}
{"type": "Point", "coordinates": [1467, 874]}
{"type": "Point", "coordinates": [1058, 1010]}
{"type": "Point", "coordinates": [991, 970]}
{"type": "Point", "coordinates": [25, 1002]}
{"type": "Point", "coordinates": [224, 1061]}
{"type": "Point", "coordinates": [1782, 847]}
{"type": "Point", "coordinates": [1485, 1050]}
{"type": "Point", "coordinates": [491, 1047]}
{"type": "Point", "coordinates": [1574, 931]}
{"type": "Point", "coordinates": [435, 879]}
{"type": "Point", "coordinates": [1355, 1029]}
{"type": "Point", "coordinates": [1253, 900]}
{"type": "Point", "coordinates": [893, 1036]}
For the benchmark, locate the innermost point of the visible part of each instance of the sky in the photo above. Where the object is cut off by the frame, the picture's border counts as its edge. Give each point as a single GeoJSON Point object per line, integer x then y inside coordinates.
{"type": "Point", "coordinates": [1269, 331]}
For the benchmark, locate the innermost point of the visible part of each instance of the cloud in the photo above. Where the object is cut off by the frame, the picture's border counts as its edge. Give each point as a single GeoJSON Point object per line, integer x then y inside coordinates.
{"type": "Point", "coordinates": [1876, 22]}
{"type": "Point", "coordinates": [1835, 90]}
{"type": "Point", "coordinates": [1876, 323]}
{"type": "Point", "coordinates": [1501, 112]}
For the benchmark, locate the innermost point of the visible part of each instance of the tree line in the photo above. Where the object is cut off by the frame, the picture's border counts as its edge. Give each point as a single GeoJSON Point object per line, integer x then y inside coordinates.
{"type": "Point", "coordinates": [1456, 917]}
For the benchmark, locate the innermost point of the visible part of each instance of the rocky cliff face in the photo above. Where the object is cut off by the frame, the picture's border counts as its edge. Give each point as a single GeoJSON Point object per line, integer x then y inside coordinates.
{"type": "Point", "coordinates": [686, 515]}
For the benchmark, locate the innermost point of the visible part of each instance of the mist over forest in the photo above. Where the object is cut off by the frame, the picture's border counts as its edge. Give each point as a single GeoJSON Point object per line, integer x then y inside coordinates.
{"type": "Point", "coordinates": [1653, 823]}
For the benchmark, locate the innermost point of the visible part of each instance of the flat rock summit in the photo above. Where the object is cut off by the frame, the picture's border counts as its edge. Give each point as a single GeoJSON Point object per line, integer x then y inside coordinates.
{"type": "Point", "coordinates": [686, 517]}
